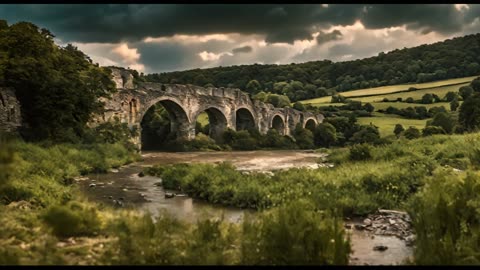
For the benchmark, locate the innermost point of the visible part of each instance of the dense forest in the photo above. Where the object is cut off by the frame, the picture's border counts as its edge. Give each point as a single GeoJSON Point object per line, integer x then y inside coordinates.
{"type": "Point", "coordinates": [452, 58]}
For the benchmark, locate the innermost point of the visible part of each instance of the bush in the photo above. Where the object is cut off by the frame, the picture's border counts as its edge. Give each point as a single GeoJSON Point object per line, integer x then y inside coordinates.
{"type": "Point", "coordinates": [325, 135]}
{"type": "Point", "coordinates": [432, 130]}
{"type": "Point", "coordinates": [360, 152]}
{"type": "Point", "coordinates": [74, 219]}
{"type": "Point", "coordinates": [443, 120]}
{"type": "Point", "coordinates": [294, 234]}
{"type": "Point", "coordinates": [412, 133]}
{"type": "Point", "coordinates": [398, 130]}
{"type": "Point", "coordinates": [366, 134]}
{"type": "Point", "coordinates": [447, 210]}
{"type": "Point", "coordinates": [303, 137]}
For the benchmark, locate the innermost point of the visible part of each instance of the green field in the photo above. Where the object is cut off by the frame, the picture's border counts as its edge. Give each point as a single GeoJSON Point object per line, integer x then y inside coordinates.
{"type": "Point", "coordinates": [403, 105]}
{"type": "Point", "coordinates": [439, 88]}
{"type": "Point", "coordinates": [439, 91]}
{"type": "Point", "coordinates": [386, 122]}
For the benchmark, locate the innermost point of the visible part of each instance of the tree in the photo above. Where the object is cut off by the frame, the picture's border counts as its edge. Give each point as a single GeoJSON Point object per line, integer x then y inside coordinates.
{"type": "Point", "coordinates": [398, 130]}
{"type": "Point", "coordinates": [253, 86]}
{"type": "Point", "coordinates": [410, 100]}
{"type": "Point", "coordinates": [299, 106]}
{"type": "Point", "coordinates": [450, 96]}
{"type": "Point", "coordinates": [465, 92]}
{"type": "Point", "coordinates": [368, 107]}
{"type": "Point", "coordinates": [325, 135]}
{"type": "Point", "coordinates": [412, 133]}
{"type": "Point", "coordinates": [454, 105]}
{"type": "Point", "coordinates": [303, 137]}
{"type": "Point", "coordinates": [366, 134]}
{"type": "Point", "coordinates": [443, 120]}
{"type": "Point", "coordinates": [58, 87]}
{"type": "Point", "coordinates": [262, 96]}
{"type": "Point", "coordinates": [475, 84]}
{"type": "Point", "coordinates": [469, 116]}
{"type": "Point", "coordinates": [427, 99]}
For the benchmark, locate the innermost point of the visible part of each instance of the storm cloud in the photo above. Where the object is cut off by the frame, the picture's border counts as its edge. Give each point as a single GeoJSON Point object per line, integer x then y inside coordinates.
{"type": "Point", "coordinates": [166, 37]}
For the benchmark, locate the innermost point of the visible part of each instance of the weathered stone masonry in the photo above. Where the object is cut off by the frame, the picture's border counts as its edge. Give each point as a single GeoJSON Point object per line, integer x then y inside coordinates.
{"type": "Point", "coordinates": [10, 115]}
{"type": "Point", "coordinates": [226, 108]}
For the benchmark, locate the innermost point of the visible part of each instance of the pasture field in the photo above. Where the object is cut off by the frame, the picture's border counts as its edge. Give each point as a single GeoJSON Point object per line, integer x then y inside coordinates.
{"type": "Point", "coordinates": [440, 91]}
{"type": "Point", "coordinates": [393, 91]}
{"type": "Point", "coordinates": [386, 122]}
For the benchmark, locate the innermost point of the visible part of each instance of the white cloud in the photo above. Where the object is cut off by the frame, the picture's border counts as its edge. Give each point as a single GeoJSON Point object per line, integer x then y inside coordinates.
{"type": "Point", "coordinates": [209, 56]}
{"type": "Point", "coordinates": [462, 7]}
{"type": "Point", "coordinates": [193, 38]}
{"type": "Point", "coordinates": [130, 55]}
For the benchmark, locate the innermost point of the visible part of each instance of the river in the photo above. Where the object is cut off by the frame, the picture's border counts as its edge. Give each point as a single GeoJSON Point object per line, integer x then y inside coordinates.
{"type": "Point", "coordinates": [142, 193]}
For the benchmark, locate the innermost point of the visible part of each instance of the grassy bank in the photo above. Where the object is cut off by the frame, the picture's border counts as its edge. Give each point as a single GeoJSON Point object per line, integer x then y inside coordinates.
{"type": "Point", "coordinates": [435, 179]}
{"type": "Point", "coordinates": [46, 220]}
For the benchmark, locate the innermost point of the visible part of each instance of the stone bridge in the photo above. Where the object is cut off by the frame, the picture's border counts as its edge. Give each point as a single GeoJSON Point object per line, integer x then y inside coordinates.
{"type": "Point", "coordinates": [226, 108]}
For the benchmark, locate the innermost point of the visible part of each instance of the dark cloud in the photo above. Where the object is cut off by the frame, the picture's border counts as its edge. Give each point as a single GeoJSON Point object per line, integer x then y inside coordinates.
{"type": "Point", "coordinates": [279, 23]}
{"type": "Point", "coordinates": [244, 49]}
{"type": "Point", "coordinates": [323, 38]}
{"type": "Point", "coordinates": [115, 23]}
{"type": "Point", "coordinates": [441, 18]}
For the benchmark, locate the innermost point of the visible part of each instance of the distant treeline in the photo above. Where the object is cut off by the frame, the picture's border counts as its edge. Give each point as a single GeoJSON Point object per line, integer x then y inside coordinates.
{"type": "Point", "coordinates": [452, 58]}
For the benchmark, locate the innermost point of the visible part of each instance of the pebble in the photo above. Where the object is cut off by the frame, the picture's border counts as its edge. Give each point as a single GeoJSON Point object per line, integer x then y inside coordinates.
{"type": "Point", "coordinates": [92, 185]}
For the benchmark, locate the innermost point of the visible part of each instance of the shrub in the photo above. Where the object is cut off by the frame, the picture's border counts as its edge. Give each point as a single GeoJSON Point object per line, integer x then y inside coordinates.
{"type": "Point", "coordinates": [360, 152]}
{"type": "Point", "coordinates": [303, 137]}
{"type": "Point", "coordinates": [447, 210]}
{"type": "Point", "coordinates": [294, 234]}
{"type": "Point", "coordinates": [443, 120]}
{"type": "Point", "coordinates": [325, 135]}
{"type": "Point", "coordinates": [398, 130]}
{"type": "Point", "coordinates": [432, 130]}
{"type": "Point", "coordinates": [74, 219]}
{"type": "Point", "coordinates": [366, 134]}
{"type": "Point", "coordinates": [412, 133]}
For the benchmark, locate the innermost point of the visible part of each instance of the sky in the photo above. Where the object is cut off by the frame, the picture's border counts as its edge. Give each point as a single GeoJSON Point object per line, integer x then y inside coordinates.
{"type": "Point", "coordinates": [154, 38]}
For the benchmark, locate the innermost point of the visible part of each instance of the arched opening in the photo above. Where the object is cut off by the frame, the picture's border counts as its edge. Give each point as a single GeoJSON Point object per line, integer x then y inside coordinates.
{"type": "Point", "coordinates": [310, 124]}
{"type": "Point", "coordinates": [244, 119]}
{"type": "Point", "coordinates": [163, 123]}
{"type": "Point", "coordinates": [211, 122]}
{"type": "Point", "coordinates": [278, 124]}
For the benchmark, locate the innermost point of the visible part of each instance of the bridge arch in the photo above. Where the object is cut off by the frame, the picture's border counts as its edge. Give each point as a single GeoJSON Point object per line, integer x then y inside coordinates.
{"type": "Point", "coordinates": [217, 121]}
{"type": "Point", "coordinates": [278, 123]}
{"type": "Point", "coordinates": [310, 123]}
{"type": "Point", "coordinates": [180, 124]}
{"type": "Point", "coordinates": [244, 119]}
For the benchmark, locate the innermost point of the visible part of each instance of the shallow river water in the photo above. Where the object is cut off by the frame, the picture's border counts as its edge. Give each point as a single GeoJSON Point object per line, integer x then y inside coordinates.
{"type": "Point", "coordinates": [142, 193]}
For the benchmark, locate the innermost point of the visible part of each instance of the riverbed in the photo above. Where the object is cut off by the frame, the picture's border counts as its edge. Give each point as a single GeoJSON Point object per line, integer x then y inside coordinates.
{"type": "Point", "coordinates": [126, 187]}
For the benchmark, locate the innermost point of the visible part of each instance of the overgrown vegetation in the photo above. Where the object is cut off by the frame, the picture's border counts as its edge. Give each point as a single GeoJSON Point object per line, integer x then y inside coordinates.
{"type": "Point", "coordinates": [58, 87]}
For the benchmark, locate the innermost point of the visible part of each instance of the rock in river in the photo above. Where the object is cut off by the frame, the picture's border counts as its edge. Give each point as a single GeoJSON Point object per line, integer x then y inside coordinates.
{"type": "Point", "coordinates": [380, 248]}
{"type": "Point", "coordinates": [169, 195]}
